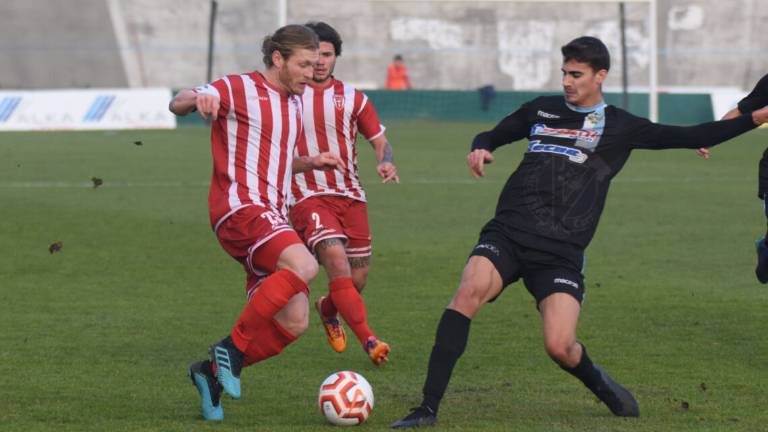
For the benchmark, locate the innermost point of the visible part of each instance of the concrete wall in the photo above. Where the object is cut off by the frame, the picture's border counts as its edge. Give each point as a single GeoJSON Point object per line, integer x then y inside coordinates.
{"type": "Point", "coordinates": [447, 45]}
{"type": "Point", "coordinates": [54, 44]}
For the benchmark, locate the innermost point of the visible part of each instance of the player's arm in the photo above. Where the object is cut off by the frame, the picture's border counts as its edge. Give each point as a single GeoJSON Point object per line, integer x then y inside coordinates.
{"type": "Point", "coordinates": [323, 161]}
{"type": "Point", "coordinates": [369, 125]}
{"type": "Point", "coordinates": [385, 162]}
{"type": "Point", "coordinates": [755, 100]}
{"type": "Point", "coordinates": [732, 114]}
{"type": "Point", "coordinates": [648, 135]}
{"type": "Point", "coordinates": [205, 100]}
{"type": "Point", "coordinates": [512, 128]}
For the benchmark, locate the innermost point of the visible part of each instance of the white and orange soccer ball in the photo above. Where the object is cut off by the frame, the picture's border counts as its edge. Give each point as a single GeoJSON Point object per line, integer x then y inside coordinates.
{"type": "Point", "coordinates": [346, 398]}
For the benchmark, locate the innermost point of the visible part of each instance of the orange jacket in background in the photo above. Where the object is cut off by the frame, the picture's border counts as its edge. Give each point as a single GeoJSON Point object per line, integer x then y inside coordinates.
{"type": "Point", "coordinates": [397, 77]}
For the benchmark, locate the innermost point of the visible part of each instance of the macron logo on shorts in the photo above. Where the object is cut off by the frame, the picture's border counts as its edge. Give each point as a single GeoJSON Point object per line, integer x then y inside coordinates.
{"type": "Point", "coordinates": [488, 246]}
{"type": "Point", "coordinates": [566, 282]}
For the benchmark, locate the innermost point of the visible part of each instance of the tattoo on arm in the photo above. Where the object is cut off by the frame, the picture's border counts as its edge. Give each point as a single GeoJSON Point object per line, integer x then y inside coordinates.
{"type": "Point", "coordinates": [359, 262]}
{"type": "Point", "coordinates": [387, 156]}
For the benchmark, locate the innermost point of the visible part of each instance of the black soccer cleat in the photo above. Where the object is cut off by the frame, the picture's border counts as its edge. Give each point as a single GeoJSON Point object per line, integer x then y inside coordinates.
{"type": "Point", "coordinates": [419, 416]}
{"type": "Point", "coordinates": [209, 389]}
{"type": "Point", "coordinates": [618, 399]}
{"type": "Point", "coordinates": [761, 271]}
{"type": "Point", "coordinates": [228, 362]}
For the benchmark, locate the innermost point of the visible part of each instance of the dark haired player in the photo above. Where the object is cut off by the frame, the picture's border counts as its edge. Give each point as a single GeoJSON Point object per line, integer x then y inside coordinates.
{"type": "Point", "coordinates": [330, 213]}
{"type": "Point", "coordinates": [547, 214]}
{"type": "Point", "coordinates": [755, 100]}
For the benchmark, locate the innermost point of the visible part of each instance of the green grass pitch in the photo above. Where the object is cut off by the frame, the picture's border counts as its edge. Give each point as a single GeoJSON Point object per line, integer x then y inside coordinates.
{"type": "Point", "coordinates": [98, 335]}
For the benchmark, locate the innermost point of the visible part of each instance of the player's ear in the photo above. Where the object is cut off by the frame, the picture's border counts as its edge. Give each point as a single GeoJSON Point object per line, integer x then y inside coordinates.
{"type": "Point", "coordinates": [601, 75]}
{"type": "Point", "coordinates": [277, 59]}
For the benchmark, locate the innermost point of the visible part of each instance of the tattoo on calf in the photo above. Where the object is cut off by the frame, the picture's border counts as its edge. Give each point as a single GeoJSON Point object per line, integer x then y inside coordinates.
{"type": "Point", "coordinates": [359, 262]}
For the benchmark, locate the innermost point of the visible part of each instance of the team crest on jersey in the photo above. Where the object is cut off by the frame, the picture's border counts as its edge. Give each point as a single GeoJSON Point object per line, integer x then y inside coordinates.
{"type": "Point", "coordinates": [574, 155]}
{"type": "Point", "coordinates": [579, 134]}
{"type": "Point", "coordinates": [338, 102]}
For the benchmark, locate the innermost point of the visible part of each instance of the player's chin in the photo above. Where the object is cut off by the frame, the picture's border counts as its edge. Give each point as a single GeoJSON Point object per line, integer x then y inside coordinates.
{"type": "Point", "coordinates": [298, 89]}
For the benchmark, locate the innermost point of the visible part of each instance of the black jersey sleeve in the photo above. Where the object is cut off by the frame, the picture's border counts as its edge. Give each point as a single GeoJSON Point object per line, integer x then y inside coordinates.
{"type": "Point", "coordinates": [757, 99]}
{"type": "Point", "coordinates": [644, 134]}
{"type": "Point", "coordinates": [510, 129]}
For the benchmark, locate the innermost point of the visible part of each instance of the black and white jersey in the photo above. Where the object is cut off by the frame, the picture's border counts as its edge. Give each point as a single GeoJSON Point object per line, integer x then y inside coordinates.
{"type": "Point", "coordinates": [555, 197]}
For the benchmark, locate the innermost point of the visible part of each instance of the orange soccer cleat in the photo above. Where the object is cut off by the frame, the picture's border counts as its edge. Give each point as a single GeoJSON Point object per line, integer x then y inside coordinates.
{"type": "Point", "coordinates": [377, 350]}
{"type": "Point", "coordinates": [336, 336]}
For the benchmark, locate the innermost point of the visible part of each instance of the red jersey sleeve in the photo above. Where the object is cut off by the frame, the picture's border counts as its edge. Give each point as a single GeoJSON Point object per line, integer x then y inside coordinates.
{"type": "Point", "coordinates": [367, 120]}
{"type": "Point", "coordinates": [219, 88]}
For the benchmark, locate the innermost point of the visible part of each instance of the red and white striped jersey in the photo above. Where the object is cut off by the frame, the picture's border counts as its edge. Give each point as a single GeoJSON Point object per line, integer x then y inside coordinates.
{"type": "Point", "coordinates": [252, 141]}
{"type": "Point", "coordinates": [333, 115]}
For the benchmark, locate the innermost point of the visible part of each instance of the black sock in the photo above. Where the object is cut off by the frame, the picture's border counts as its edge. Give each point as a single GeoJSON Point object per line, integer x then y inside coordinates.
{"type": "Point", "coordinates": [586, 372]}
{"type": "Point", "coordinates": [450, 341]}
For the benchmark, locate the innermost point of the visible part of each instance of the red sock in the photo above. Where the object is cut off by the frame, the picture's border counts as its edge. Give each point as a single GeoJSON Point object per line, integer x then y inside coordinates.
{"type": "Point", "coordinates": [273, 294]}
{"type": "Point", "coordinates": [269, 341]}
{"type": "Point", "coordinates": [350, 306]}
{"type": "Point", "coordinates": [327, 308]}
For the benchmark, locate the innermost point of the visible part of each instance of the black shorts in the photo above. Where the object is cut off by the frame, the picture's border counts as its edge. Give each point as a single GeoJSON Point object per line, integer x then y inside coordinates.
{"type": "Point", "coordinates": [542, 272]}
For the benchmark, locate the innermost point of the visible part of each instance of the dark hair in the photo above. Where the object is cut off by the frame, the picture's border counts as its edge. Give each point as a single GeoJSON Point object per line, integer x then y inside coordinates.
{"type": "Point", "coordinates": [587, 49]}
{"type": "Point", "coordinates": [398, 57]}
{"type": "Point", "coordinates": [326, 33]}
{"type": "Point", "coordinates": [286, 39]}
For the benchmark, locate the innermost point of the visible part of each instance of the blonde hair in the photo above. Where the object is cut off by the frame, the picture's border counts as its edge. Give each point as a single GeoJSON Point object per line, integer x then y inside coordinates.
{"type": "Point", "coordinates": [287, 39]}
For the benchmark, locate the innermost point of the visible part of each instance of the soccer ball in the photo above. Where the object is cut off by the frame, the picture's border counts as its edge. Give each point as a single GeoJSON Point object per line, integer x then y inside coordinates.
{"type": "Point", "coordinates": [345, 398]}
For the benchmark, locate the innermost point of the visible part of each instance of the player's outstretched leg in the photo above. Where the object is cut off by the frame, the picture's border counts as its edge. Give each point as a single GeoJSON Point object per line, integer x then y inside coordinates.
{"type": "Point", "coordinates": [227, 363]}
{"type": "Point", "coordinates": [761, 271]}
{"type": "Point", "coordinates": [209, 389]}
{"type": "Point", "coordinates": [337, 338]}
{"type": "Point", "coordinates": [419, 416]}
{"type": "Point", "coordinates": [618, 399]}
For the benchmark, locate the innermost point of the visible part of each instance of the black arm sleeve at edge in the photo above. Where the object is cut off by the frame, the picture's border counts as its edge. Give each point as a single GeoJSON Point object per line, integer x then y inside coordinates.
{"type": "Point", "coordinates": [512, 128]}
{"type": "Point", "coordinates": [658, 137]}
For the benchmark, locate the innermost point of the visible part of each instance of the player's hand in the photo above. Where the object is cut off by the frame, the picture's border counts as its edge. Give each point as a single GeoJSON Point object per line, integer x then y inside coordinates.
{"type": "Point", "coordinates": [703, 152]}
{"type": "Point", "coordinates": [476, 160]}
{"type": "Point", "coordinates": [326, 161]}
{"type": "Point", "coordinates": [760, 116]}
{"type": "Point", "coordinates": [388, 172]}
{"type": "Point", "coordinates": [206, 105]}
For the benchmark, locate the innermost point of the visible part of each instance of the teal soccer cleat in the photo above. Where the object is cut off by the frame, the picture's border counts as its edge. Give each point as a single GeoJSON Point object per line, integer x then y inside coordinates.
{"type": "Point", "coordinates": [209, 389]}
{"type": "Point", "coordinates": [227, 363]}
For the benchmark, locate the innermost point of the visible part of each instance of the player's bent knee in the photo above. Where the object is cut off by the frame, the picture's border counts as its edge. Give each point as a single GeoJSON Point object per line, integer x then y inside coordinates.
{"type": "Point", "coordinates": [469, 298]}
{"type": "Point", "coordinates": [560, 350]}
{"type": "Point", "coordinates": [301, 262]}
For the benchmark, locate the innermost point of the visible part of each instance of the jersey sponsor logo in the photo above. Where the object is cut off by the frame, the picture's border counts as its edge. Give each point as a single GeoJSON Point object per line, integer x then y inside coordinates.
{"type": "Point", "coordinates": [338, 102]}
{"type": "Point", "coordinates": [547, 115]}
{"type": "Point", "coordinates": [574, 155]}
{"type": "Point", "coordinates": [580, 134]}
{"type": "Point", "coordinates": [98, 108]}
{"type": "Point", "coordinates": [568, 282]}
{"type": "Point", "coordinates": [489, 247]}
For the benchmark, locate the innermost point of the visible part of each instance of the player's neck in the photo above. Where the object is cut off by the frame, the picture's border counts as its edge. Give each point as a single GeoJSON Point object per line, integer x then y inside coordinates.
{"type": "Point", "coordinates": [591, 101]}
{"type": "Point", "coordinates": [324, 84]}
{"type": "Point", "coordinates": [273, 81]}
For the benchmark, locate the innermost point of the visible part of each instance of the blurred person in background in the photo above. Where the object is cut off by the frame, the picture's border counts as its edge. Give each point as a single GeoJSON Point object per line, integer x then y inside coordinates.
{"type": "Point", "coordinates": [397, 75]}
